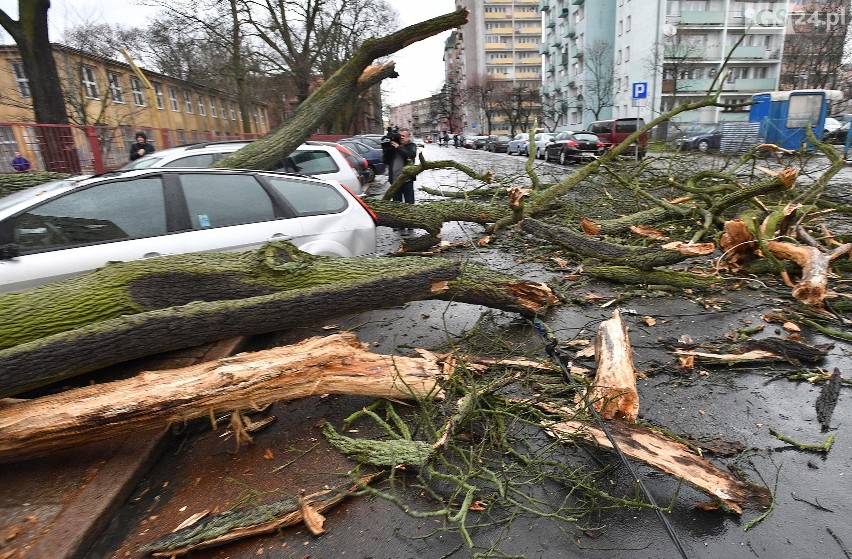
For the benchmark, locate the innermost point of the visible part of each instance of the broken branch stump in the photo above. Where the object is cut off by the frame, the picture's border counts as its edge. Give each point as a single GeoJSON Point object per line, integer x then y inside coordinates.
{"type": "Point", "coordinates": [613, 391]}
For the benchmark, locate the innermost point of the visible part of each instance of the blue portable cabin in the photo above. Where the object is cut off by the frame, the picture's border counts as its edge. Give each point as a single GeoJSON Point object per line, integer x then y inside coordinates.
{"type": "Point", "coordinates": [784, 115]}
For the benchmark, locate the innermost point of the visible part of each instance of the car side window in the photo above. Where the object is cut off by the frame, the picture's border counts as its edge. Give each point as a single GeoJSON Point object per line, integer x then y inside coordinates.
{"type": "Point", "coordinates": [195, 161]}
{"type": "Point", "coordinates": [223, 199]}
{"type": "Point", "coordinates": [623, 126]}
{"type": "Point", "coordinates": [102, 213]}
{"type": "Point", "coordinates": [309, 198]}
{"type": "Point", "coordinates": [308, 163]}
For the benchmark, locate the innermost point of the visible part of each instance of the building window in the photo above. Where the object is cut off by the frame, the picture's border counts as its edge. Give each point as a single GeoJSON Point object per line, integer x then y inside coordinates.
{"type": "Point", "coordinates": [627, 24]}
{"type": "Point", "coordinates": [233, 111]}
{"type": "Point", "coordinates": [627, 54]}
{"type": "Point", "coordinates": [212, 107]}
{"type": "Point", "coordinates": [158, 94]}
{"type": "Point", "coordinates": [201, 109]}
{"type": "Point", "coordinates": [187, 102]}
{"type": "Point", "coordinates": [90, 84]}
{"type": "Point", "coordinates": [222, 110]}
{"type": "Point", "coordinates": [173, 99]}
{"type": "Point", "coordinates": [263, 116]}
{"type": "Point", "coordinates": [620, 27]}
{"type": "Point", "coordinates": [136, 88]}
{"type": "Point", "coordinates": [115, 88]}
{"type": "Point", "coordinates": [21, 79]}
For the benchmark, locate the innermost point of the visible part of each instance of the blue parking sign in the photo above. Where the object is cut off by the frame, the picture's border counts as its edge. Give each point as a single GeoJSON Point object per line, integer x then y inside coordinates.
{"type": "Point", "coordinates": [640, 90]}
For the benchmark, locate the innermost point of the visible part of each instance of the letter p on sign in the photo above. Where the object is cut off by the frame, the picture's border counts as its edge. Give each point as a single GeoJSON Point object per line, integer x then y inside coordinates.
{"type": "Point", "coordinates": [640, 90]}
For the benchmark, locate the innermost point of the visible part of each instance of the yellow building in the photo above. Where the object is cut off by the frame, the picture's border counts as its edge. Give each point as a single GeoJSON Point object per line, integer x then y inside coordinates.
{"type": "Point", "coordinates": [107, 96]}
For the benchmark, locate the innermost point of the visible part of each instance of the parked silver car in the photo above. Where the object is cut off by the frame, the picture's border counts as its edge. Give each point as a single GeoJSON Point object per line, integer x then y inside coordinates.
{"type": "Point", "coordinates": [520, 144]}
{"type": "Point", "coordinates": [63, 228]}
{"type": "Point", "coordinates": [320, 160]}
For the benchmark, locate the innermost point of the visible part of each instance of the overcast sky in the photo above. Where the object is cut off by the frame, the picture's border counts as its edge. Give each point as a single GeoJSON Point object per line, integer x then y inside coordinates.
{"type": "Point", "coordinates": [420, 66]}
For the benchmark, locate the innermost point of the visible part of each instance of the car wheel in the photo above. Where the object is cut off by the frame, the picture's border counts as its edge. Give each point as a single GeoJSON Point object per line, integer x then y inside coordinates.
{"type": "Point", "coordinates": [703, 145]}
{"type": "Point", "coordinates": [563, 159]}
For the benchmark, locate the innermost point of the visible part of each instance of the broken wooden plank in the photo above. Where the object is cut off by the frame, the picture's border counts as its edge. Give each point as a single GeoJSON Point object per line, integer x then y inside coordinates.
{"type": "Point", "coordinates": [336, 364]}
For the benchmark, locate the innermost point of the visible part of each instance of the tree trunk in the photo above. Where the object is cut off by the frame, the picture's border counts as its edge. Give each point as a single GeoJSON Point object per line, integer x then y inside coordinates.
{"type": "Point", "coordinates": [30, 33]}
{"type": "Point", "coordinates": [335, 364]}
{"type": "Point", "coordinates": [120, 312]}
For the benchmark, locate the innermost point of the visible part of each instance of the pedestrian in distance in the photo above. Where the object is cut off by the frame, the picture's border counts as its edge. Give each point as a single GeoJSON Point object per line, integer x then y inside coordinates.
{"type": "Point", "coordinates": [445, 139]}
{"type": "Point", "coordinates": [141, 148]}
{"type": "Point", "coordinates": [404, 153]}
{"type": "Point", "coordinates": [456, 140]}
{"type": "Point", "coordinates": [20, 163]}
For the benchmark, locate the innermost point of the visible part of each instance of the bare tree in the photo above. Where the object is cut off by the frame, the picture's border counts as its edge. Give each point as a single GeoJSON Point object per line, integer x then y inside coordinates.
{"type": "Point", "coordinates": [598, 78]}
{"type": "Point", "coordinates": [479, 101]}
{"type": "Point", "coordinates": [518, 103]}
{"type": "Point", "coordinates": [446, 106]}
{"type": "Point", "coordinates": [813, 52]}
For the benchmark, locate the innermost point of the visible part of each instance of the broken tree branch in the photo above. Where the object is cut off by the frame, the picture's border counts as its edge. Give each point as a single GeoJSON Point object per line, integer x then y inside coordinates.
{"type": "Point", "coordinates": [336, 364]}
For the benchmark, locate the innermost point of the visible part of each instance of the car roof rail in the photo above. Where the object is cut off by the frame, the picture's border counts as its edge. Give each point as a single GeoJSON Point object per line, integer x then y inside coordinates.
{"type": "Point", "coordinates": [215, 143]}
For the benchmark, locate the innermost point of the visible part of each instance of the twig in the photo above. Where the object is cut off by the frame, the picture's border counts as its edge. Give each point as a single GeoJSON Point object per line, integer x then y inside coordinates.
{"type": "Point", "coordinates": [824, 447]}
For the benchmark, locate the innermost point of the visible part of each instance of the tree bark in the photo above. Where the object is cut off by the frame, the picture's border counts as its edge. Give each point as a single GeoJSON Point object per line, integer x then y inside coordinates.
{"type": "Point", "coordinates": [272, 148]}
{"type": "Point", "coordinates": [120, 312]}
{"type": "Point", "coordinates": [336, 364]}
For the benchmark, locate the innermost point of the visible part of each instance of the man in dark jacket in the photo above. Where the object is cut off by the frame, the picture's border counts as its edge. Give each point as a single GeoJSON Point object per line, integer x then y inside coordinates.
{"type": "Point", "coordinates": [141, 147]}
{"type": "Point", "coordinates": [404, 153]}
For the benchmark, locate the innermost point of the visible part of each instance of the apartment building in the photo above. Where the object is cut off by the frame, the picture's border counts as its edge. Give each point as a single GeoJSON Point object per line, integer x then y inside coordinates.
{"type": "Point", "coordinates": [105, 92]}
{"type": "Point", "coordinates": [677, 47]}
{"type": "Point", "coordinates": [498, 50]}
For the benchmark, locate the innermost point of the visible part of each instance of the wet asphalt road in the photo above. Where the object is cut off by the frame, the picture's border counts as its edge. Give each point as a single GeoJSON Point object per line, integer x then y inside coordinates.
{"type": "Point", "coordinates": [813, 492]}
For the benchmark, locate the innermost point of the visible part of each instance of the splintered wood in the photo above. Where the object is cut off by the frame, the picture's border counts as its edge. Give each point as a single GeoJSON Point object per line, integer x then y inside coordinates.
{"type": "Point", "coordinates": [613, 391]}
{"type": "Point", "coordinates": [336, 364]}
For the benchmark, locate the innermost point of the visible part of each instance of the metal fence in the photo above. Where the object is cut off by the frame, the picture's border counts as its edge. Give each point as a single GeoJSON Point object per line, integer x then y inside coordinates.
{"type": "Point", "coordinates": [87, 149]}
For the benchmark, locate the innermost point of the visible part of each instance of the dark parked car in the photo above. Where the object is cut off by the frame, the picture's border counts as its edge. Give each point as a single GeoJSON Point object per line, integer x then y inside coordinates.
{"type": "Point", "coordinates": [371, 154]}
{"type": "Point", "coordinates": [479, 142]}
{"type": "Point", "coordinates": [710, 137]}
{"type": "Point", "coordinates": [497, 144]}
{"type": "Point", "coordinates": [838, 136]}
{"type": "Point", "coordinates": [570, 147]}
{"type": "Point", "coordinates": [372, 140]}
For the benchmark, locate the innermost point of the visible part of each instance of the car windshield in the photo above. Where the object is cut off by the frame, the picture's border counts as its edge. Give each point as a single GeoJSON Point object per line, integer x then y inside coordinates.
{"type": "Point", "coordinates": [151, 160]}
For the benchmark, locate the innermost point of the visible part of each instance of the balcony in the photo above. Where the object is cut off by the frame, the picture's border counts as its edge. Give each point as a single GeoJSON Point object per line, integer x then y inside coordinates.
{"type": "Point", "coordinates": [502, 61]}
{"type": "Point", "coordinates": [755, 84]}
{"type": "Point", "coordinates": [769, 18]}
{"type": "Point", "coordinates": [542, 49]}
{"type": "Point", "coordinates": [550, 23]}
{"type": "Point", "coordinates": [577, 2]}
{"type": "Point", "coordinates": [576, 52]}
{"type": "Point", "coordinates": [569, 34]}
{"type": "Point", "coordinates": [689, 85]}
{"type": "Point", "coordinates": [744, 51]}
{"type": "Point", "coordinates": [543, 5]}
{"type": "Point", "coordinates": [555, 42]}
{"type": "Point", "coordinates": [700, 18]}
{"type": "Point", "coordinates": [685, 51]}
{"type": "Point", "coordinates": [565, 13]}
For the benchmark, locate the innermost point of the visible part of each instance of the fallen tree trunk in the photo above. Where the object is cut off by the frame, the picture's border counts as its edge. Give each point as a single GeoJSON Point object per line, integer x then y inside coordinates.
{"type": "Point", "coordinates": [672, 457]}
{"type": "Point", "coordinates": [120, 312]}
{"type": "Point", "coordinates": [630, 275]}
{"type": "Point", "coordinates": [613, 392]}
{"type": "Point", "coordinates": [336, 364]}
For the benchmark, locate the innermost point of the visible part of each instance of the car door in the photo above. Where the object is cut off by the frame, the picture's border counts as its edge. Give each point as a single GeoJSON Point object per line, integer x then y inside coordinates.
{"type": "Point", "coordinates": [230, 212]}
{"type": "Point", "coordinates": [84, 229]}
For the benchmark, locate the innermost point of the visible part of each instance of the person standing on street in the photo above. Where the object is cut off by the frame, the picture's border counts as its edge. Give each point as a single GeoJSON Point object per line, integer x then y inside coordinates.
{"type": "Point", "coordinates": [404, 153]}
{"type": "Point", "coordinates": [141, 147]}
{"type": "Point", "coordinates": [20, 163]}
